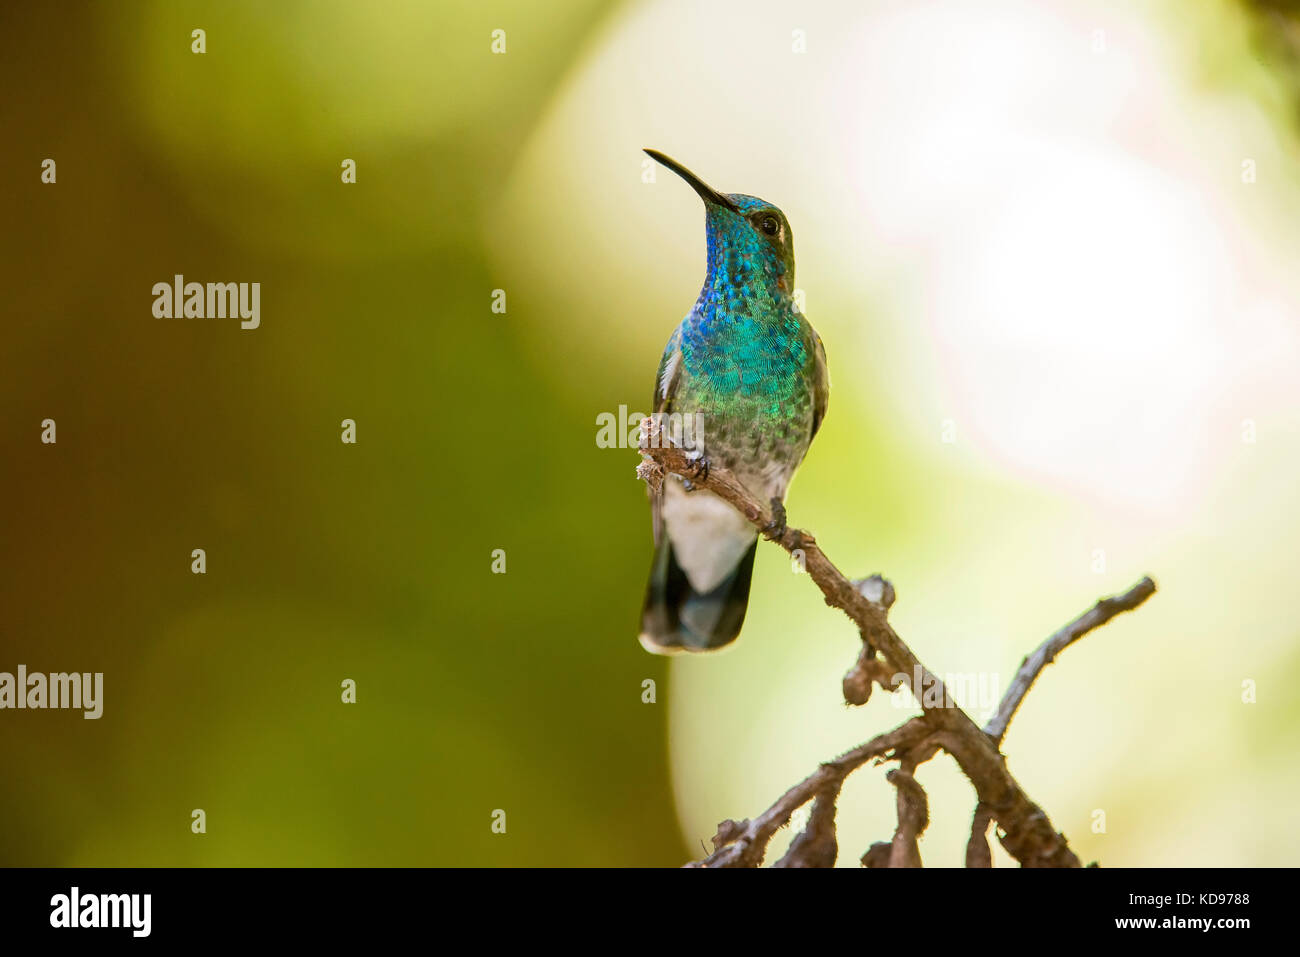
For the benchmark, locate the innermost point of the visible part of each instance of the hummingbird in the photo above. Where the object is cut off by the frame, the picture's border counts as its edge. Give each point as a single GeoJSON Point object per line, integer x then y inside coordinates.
{"type": "Point", "coordinates": [750, 371]}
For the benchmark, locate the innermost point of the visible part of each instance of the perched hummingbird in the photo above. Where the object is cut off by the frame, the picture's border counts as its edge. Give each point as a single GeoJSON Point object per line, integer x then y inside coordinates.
{"type": "Point", "coordinates": [751, 372]}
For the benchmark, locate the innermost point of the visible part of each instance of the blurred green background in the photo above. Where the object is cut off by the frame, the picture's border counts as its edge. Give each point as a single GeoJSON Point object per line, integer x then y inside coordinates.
{"type": "Point", "coordinates": [1051, 295]}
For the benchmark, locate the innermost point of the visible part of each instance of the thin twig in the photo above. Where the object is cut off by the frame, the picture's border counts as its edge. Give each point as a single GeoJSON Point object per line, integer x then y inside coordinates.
{"type": "Point", "coordinates": [816, 845]}
{"type": "Point", "coordinates": [743, 843]}
{"type": "Point", "coordinates": [1094, 617]}
{"type": "Point", "coordinates": [913, 819]}
{"type": "Point", "coordinates": [977, 848]}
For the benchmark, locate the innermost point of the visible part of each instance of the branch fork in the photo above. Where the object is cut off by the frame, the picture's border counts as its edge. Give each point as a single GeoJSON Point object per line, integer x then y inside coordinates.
{"type": "Point", "coordinates": [1026, 831]}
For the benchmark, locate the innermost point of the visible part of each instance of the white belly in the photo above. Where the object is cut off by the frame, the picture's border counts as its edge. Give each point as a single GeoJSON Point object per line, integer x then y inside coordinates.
{"type": "Point", "coordinates": [709, 536]}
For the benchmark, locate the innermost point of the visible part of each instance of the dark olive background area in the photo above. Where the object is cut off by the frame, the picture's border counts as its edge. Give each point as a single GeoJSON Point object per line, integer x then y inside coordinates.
{"type": "Point", "coordinates": [325, 561]}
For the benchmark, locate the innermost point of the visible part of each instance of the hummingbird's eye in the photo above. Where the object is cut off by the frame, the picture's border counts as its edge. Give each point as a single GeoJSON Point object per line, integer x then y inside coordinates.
{"type": "Point", "coordinates": [769, 225]}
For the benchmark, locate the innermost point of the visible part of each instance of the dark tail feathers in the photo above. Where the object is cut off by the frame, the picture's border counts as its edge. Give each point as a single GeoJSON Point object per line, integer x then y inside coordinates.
{"type": "Point", "coordinates": [678, 618]}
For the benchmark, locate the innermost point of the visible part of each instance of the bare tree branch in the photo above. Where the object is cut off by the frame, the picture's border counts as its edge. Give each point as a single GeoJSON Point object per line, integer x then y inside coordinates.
{"type": "Point", "coordinates": [1094, 617]}
{"type": "Point", "coordinates": [1028, 834]}
{"type": "Point", "coordinates": [913, 819]}
{"type": "Point", "coordinates": [743, 844]}
{"type": "Point", "coordinates": [878, 854]}
{"type": "Point", "coordinates": [870, 669]}
{"type": "Point", "coordinates": [816, 846]}
{"type": "Point", "coordinates": [977, 848]}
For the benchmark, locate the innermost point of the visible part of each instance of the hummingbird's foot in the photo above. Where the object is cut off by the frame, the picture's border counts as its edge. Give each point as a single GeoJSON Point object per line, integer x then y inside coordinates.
{"type": "Point", "coordinates": [700, 473]}
{"type": "Point", "coordinates": [775, 529]}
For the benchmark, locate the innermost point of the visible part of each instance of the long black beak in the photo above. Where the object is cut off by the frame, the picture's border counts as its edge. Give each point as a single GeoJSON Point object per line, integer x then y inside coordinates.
{"type": "Point", "coordinates": [707, 192]}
